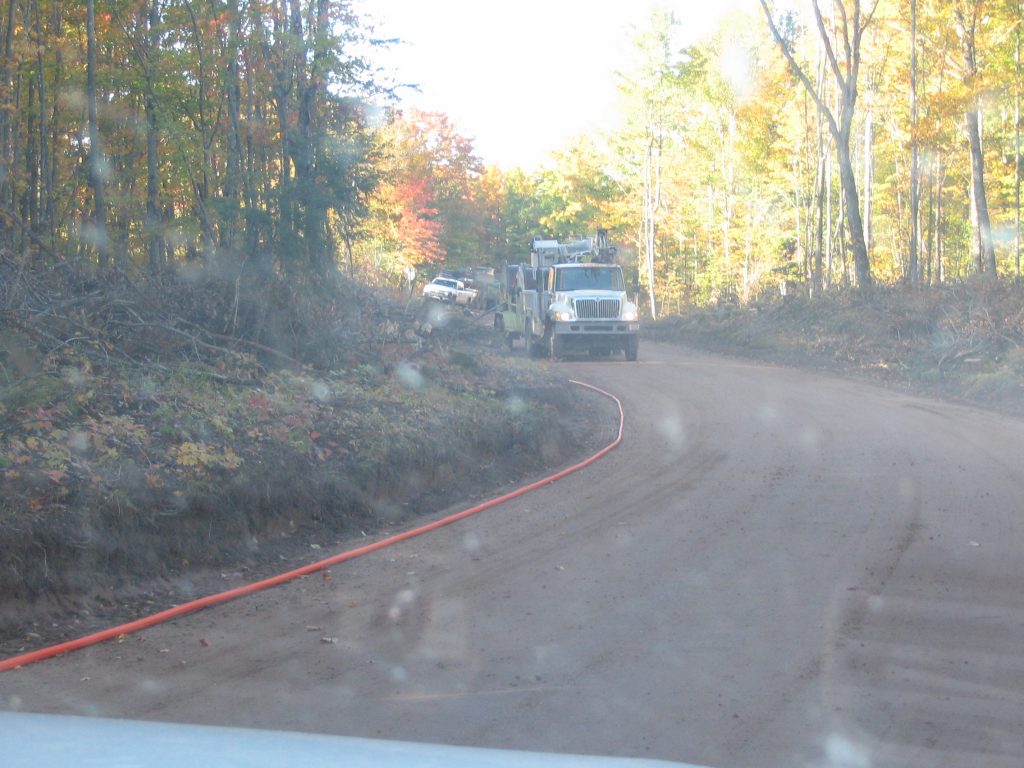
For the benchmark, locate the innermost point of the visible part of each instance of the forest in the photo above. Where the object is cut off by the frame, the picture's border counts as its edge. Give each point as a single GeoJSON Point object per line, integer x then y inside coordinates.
{"type": "Point", "coordinates": [804, 148]}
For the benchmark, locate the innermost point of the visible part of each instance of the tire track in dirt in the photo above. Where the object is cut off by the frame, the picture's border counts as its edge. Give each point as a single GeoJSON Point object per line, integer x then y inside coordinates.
{"type": "Point", "coordinates": [776, 568]}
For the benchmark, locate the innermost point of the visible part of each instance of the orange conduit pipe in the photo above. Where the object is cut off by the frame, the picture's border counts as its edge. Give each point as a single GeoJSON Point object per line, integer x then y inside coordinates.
{"type": "Point", "coordinates": [257, 586]}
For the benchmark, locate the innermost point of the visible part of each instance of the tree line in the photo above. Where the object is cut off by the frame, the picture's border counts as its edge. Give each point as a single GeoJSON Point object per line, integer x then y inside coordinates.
{"type": "Point", "coordinates": [839, 143]}
{"type": "Point", "coordinates": [800, 147]}
{"type": "Point", "coordinates": [834, 143]}
{"type": "Point", "coordinates": [149, 132]}
{"type": "Point", "coordinates": [146, 134]}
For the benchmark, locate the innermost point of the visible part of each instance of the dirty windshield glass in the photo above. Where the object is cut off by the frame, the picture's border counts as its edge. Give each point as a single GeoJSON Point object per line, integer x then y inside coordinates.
{"type": "Point", "coordinates": [592, 278]}
{"type": "Point", "coordinates": [323, 407]}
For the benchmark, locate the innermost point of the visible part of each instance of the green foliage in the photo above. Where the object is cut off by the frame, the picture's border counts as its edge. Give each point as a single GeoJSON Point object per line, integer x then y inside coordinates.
{"type": "Point", "coordinates": [575, 191]}
{"type": "Point", "coordinates": [229, 130]}
{"type": "Point", "coordinates": [242, 133]}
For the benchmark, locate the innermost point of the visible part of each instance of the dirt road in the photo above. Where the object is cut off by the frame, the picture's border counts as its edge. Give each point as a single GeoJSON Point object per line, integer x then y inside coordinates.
{"type": "Point", "coordinates": [775, 569]}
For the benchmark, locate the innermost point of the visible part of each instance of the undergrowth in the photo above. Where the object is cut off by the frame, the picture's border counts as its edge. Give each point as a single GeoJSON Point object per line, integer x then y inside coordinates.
{"type": "Point", "coordinates": [964, 341]}
{"type": "Point", "coordinates": [159, 423]}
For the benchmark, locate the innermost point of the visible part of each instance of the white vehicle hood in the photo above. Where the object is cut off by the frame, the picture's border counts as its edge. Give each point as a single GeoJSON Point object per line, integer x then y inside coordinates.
{"type": "Point", "coordinates": [48, 741]}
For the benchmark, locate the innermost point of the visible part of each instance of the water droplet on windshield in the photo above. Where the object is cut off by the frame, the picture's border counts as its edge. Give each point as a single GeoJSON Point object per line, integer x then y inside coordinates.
{"type": "Point", "coordinates": [408, 376]}
{"type": "Point", "coordinates": [399, 675]}
{"type": "Point", "coordinates": [672, 429]}
{"type": "Point", "coordinates": [320, 390]}
{"type": "Point", "coordinates": [842, 753]}
{"type": "Point", "coordinates": [78, 441]}
{"type": "Point", "coordinates": [437, 316]}
{"type": "Point", "coordinates": [515, 405]}
{"type": "Point", "coordinates": [809, 438]}
{"type": "Point", "coordinates": [767, 413]}
{"type": "Point", "coordinates": [403, 599]}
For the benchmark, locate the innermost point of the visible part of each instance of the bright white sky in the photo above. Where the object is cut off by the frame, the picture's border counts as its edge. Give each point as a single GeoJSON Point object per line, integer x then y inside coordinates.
{"type": "Point", "coordinates": [523, 76]}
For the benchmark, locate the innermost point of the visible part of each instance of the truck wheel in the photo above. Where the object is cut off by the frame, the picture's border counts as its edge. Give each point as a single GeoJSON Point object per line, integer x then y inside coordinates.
{"type": "Point", "coordinates": [543, 347]}
{"type": "Point", "coordinates": [557, 347]}
{"type": "Point", "coordinates": [632, 348]}
{"type": "Point", "coordinates": [499, 328]}
{"type": "Point", "coordinates": [532, 347]}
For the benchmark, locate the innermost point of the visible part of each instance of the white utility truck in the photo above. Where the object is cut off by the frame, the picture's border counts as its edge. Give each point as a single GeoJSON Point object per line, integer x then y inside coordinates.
{"type": "Point", "coordinates": [570, 297]}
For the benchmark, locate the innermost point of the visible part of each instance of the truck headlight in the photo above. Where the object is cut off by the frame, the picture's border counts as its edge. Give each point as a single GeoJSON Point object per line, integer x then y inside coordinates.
{"type": "Point", "coordinates": [565, 315]}
{"type": "Point", "coordinates": [630, 313]}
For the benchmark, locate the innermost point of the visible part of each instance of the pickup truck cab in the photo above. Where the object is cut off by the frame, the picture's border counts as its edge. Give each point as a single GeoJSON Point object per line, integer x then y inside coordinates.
{"type": "Point", "coordinates": [448, 290]}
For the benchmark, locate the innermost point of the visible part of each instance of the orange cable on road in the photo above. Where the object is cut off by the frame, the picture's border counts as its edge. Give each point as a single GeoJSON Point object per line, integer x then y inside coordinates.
{"type": "Point", "coordinates": [257, 586]}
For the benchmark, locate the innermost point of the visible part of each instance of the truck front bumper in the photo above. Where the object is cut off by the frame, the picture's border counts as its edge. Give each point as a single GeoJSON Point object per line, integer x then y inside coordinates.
{"type": "Point", "coordinates": [592, 333]}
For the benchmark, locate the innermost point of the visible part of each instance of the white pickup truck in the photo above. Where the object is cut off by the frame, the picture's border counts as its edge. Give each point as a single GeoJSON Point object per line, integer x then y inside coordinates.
{"type": "Point", "coordinates": [448, 290]}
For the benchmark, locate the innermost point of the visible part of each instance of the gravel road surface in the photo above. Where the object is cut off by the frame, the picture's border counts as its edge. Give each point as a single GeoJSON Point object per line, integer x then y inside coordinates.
{"type": "Point", "coordinates": [776, 568]}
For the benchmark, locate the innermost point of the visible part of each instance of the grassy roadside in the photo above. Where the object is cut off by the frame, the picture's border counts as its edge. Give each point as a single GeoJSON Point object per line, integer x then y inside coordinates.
{"type": "Point", "coordinates": [124, 474]}
{"type": "Point", "coordinates": [963, 342]}
{"type": "Point", "coordinates": [115, 474]}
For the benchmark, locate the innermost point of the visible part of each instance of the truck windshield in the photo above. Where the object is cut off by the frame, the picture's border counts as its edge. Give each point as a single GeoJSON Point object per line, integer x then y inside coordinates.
{"type": "Point", "coordinates": [596, 278]}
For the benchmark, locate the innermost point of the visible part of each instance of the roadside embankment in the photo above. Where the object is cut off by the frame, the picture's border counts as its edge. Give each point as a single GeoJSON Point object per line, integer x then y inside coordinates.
{"type": "Point", "coordinates": [962, 342]}
{"type": "Point", "coordinates": [151, 450]}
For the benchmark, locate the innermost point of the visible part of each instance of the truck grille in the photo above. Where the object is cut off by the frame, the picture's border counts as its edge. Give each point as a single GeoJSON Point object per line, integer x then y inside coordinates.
{"type": "Point", "coordinates": [590, 309]}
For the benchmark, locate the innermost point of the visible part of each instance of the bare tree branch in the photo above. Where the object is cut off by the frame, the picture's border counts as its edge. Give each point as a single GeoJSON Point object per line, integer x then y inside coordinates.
{"type": "Point", "coordinates": [829, 51]}
{"type": "Point", "coordinates": [839, 124]}
{"type": "Point", "coordinates": [798, 71]}
{"type": "Point", "coordinates": [845, 26]}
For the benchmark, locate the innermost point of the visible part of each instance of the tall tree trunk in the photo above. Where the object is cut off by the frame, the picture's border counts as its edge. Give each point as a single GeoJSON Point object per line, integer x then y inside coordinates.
{"type": "Point", "coordinates": [1016, 142]}
{"type": "Point", "coordinates": [813, 270]}
{"type": "Point", "coordinates": [154, 224]}
{"type": "Point", "coordinates": [6, 109]}
{"type": "Point", "coordinates": [824, 222]}
{"type": "Point", "coordinates": [809, 211]}
{"type": "Point", "coordinates": [30, 192]}
{"type": "Point", "coordinates": [939, 179]}
{"type": "Point", "coordinates": [206, 133]}
{"type": "Point", "coordinates": [44, 188]}
{"type": "Point", "coordinates": [840, 245]}
{"type": "Point", "coordinates": [99, 216]}
{"type": "Point", "coordinates": [868, 177]}
{"type": "Point", "coordinates": [316, 206]}
{"type": "Point", "coordinates": [233, 178]}
{"type": "Point", "coordinates": [967, 23]}
{"type": "Point", "coordinates": [651, 202]}
{"type": "Point", "coordinates": [929, 233]}
{"type": "Point", "coordinates": [56, 151]}
{"type": "Point", "coordinates": [820, 233]}
{"type": "Point", "coordinates": [986, 255]}
{"type": "Point", "coordinates": [826, 170]}
{"type": "Point", "coordinates": [845, 72]}
{"type": "Point", "coordinates": [727, 182]}
{"type": "Point", "coordinates": [915, 159]}
{"type": "Point", "coordinates": [852, 204]}
{"type": "Point", "coordinates": [797, 230]}
{"type": "Point", "coordinates": [282, 67]}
